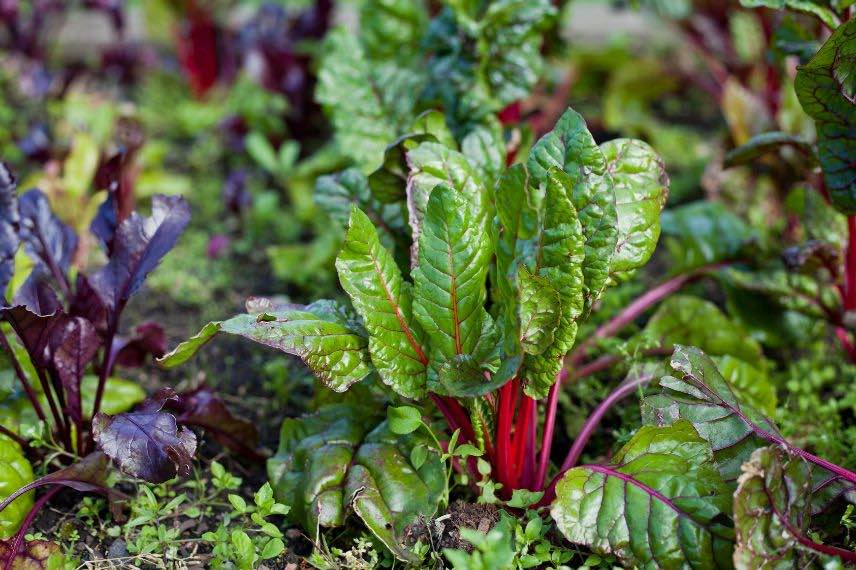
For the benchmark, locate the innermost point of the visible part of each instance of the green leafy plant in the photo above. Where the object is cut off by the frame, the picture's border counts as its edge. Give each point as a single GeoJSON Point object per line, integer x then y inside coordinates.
{"type": "Point", "coordinates": [552, 231]}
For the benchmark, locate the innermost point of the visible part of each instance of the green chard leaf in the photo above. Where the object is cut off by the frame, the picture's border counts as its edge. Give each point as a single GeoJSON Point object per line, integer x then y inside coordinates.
{"type": "Point", "coordinates": [511, 46]}
{"type": "Point", "coordinates": [571, 147]}
{"type": "Point", "coordinates": [392, 29]}
{"type": "Point", "coordinates": [432, 163]}
{"type": "Point", "coordinates": [540, 311]}
{"type": "Point", "coordinates": [341, 458]}
{"type": "Point", "coordinates": [332, 347]}
{"type": "Point", "coordinates": [368, 273]}
{"type": "Point", "coordinates": [817, 9]}
{"type": "Point", "coordinates": [705, 398]}
{"type": "Point", "coordinates": [772, 510]}
{"type": "Point", "coordinates": [826, 88]}
{"type": "Point", "coordinates": [368, 102]}
{"type": "Point", "coordinates": [555, 254]}
{"type": "Point", "coordinates": [660, 503]}
{"type": "Point", "coordinates": [335, 194]}
{"type": "Point", "coordinates": [641, 191]}
{"type": "Point", "coordinates": [449, 283]}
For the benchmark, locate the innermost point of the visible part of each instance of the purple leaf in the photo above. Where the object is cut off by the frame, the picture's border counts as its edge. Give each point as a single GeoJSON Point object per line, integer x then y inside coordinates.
{"type": "Point", "coordinates": [34, 330]}
{"type": "Point", "coordinates": [203, 408]}
{"type": "Point", "coordinates": [139, 245]}
{"type": "Point", "coordinates": [148, 339]}
{"type": "Point", "coordinates": [37, 293]}
{"type": "Point", "coordinates": [87, 304]}
{"type": "Point", "coordinates": [9, 223]}
{"type": "Point", "coordinates": [45, 237]}
{"type": "Point", "coordinates": [236, 198]}
{"type": "Point", "coordinates": [147, 443]}
{"type": "Point", "coordinates": [73, 344]}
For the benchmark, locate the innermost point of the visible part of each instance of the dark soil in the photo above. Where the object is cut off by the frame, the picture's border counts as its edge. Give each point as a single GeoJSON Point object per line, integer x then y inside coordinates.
{"type": "Point", "coordinates": [444, 531]}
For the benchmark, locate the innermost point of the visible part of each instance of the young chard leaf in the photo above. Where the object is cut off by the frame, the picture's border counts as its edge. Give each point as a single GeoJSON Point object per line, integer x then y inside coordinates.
{"type": "Point", "coordinates": [73, 345]}
{"type": "Point", "coordinates": [826, 90]}
{"type": "Point", "coordinates": [571, 147]}
{"type": "Point", "coordinates": [660, 503]}
{"type": "Point", "coordinates": [368, 102]}
{"type": "Point", "coordinates": [449, 282]}
{"type": "Point", "coordinates": [383, 299]}
{"type": "Point", "coordinates": [772, 510]}
{"type": "Point", "coordinates": [44, 236]}
{"type": "Point", "coordinates": [641, 191]}
{"type": "Point", "coordinates": [147, 443]}
{"type": "Point", "coordinates": [540, 311]}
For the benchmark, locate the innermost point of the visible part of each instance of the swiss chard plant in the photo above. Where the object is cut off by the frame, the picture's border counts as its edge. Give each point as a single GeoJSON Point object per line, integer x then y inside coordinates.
{"type": "Point", "coordinates": [63, 341]}
{"type": "Point", "coordinates": [476, 323]}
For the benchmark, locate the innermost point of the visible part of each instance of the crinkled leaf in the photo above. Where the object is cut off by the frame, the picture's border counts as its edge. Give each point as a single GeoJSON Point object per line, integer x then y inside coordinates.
{"type": "Point", "coordinates": [772, 512]}
{"type": "Point", "coordinates": [660, 503]}
{"type": "Point", "coordinates": [540, 311]}
{"type": "Point", "coordinates": [383, 299]}
{"type": "Point", "coordinates": [571, 147]}
{"type": "Point", "coordinates": [484, 147]}
{"type": "Point", "coordinates": [431, 164]}
{"type": "Point", "coordinates": [139, 245]}
{"type": "Point", "coordinates": [392, 29]}
{"type": "Point", "coordinates": [449, 288]}
{"type": "Point", "coordinates": [511, 37]}
{"type": "Point", "coordinates": [701, 233]}
{"type": "Point", "coordinates": [147, 443]}
{"type": "Point", "coordinates": [641, 191]}
{"type": "Point", "coordinates": [15, 472]}
{"type": "Point", "coordinates": [368, 103]}
{"type": "Point", "coordinates": [334, 352]}
{"type": "Point", "coordinates": [44, 236]}
{"type": "Point", "coordinates": [202, 408]}
{"type": "Point", "coordinates": [336, 194]}
{"type": "Point", "coordinates": [9, 223]}
{"type": "Point", "coordinates": [826, 87]}
{"type": "Point", "coordinates": [556, 254]}
{"type": "Point", "coordinates": [336, 459]}
{"type": "Point", "coordinates": [702, 396]}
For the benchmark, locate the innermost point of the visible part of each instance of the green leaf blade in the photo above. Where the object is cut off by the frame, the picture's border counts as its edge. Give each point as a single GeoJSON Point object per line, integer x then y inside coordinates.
{"type": "Point", "coordinates": [368, 273]}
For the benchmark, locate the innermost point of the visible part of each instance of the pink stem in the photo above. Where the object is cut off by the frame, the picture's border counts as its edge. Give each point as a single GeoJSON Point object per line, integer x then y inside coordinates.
{"type": "Point", "coordinates": [639, 306]}
{"type": "Point", "coordinates": [547, 437]}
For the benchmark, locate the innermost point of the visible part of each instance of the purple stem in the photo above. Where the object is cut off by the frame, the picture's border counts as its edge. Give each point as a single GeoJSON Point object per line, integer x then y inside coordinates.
{"type": "Point", "coordinates": [31, 395]}
{"type": "Point", "coordinates": [28, 520]}
{"type": "Point", "coordinates": [596, 416]}
{"type": "Point", "coordinates": [632, 311]}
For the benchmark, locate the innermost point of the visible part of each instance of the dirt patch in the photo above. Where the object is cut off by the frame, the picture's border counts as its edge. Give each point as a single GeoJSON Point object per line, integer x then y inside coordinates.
{"type": "Point", "coordinates": [444, 531]}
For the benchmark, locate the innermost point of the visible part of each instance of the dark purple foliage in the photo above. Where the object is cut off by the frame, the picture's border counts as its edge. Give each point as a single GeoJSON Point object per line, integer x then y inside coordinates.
{"type": "Point", "coordinates": [217, 246]}
{"type": "Point", "coordinates": [148, 443]}
{"type": "Point", "coordinates": [140, 244]}
{"type": "Point", "coordinates": [36, 144]}
{"type": "Point", "coordinates": [45, 237]}
{"type": "Point", "coordinates": [236, 198]}
{"type": "Point", "coordinates": [203, 408]}
{"type": "Point", "coordinates": [148, 339]}
{"type": "Point", "coordinates": [73, 344]}
{"type": "Point", "coordinates": [9, 222]}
